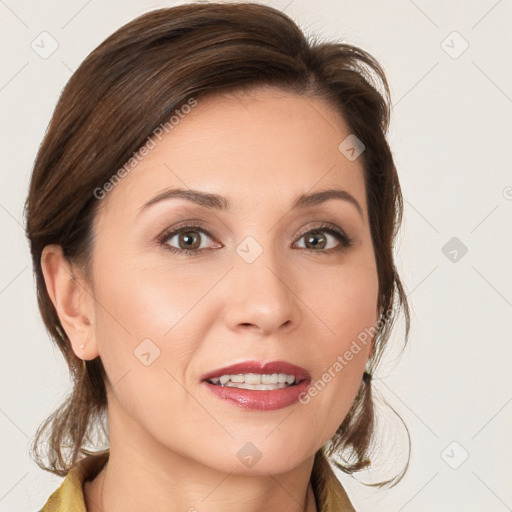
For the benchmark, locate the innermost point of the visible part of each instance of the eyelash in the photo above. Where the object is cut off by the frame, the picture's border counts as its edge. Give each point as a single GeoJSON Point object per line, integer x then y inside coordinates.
{"type": "Point", "coordinates": [345, 240]}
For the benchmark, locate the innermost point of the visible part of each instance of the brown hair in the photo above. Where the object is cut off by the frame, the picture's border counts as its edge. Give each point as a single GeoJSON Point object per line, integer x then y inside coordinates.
{"type": "Point", "coordinates": [132, 83]}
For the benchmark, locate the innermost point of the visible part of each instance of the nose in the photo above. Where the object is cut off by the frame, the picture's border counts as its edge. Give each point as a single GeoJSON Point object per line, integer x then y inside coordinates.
{"type": "Point", "coordinates": [260, 296]}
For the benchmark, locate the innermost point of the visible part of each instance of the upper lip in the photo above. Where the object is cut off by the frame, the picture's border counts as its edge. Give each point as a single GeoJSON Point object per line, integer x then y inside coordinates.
{"type": "Point", "coordinates": [262, 368]}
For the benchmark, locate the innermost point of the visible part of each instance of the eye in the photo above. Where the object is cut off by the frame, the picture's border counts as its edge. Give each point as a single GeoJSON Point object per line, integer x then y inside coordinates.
{"type": "Point", "coordinates": [187, 238]}
{"type": "Point", "coordinates": [316, 241]}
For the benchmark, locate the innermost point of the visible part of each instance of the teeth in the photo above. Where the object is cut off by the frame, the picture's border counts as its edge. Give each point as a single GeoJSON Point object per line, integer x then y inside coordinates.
{"type": "Point", "coordinates": [270, 379]}
{"type": "Point", "coordinates": [258, 387]}
{"type": "Point", "coordinates": [255, 380]}
{"type": "Point", "coordinates": [223, 379]}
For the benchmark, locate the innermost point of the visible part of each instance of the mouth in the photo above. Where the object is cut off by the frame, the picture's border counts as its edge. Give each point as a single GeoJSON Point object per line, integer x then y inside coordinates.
{"type": "Point", "coordinates": [257, 386]}
{"type": "Point", "coordinates": [257, 376]}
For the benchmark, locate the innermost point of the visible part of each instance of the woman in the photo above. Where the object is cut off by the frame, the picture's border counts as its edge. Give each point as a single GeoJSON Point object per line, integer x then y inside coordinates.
{"type": "Point", "coordinates": [211, 218]}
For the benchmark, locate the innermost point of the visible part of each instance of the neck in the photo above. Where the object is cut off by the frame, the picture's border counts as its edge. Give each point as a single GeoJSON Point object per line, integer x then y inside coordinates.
{"type": "Point", "coordinates": [139, 472]}
{"type": "Point", "coordinates": [114, 499]}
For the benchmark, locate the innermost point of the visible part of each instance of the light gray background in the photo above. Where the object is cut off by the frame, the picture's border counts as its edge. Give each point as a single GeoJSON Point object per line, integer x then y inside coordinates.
{"type": "Point", "coordinates": [451, 136]}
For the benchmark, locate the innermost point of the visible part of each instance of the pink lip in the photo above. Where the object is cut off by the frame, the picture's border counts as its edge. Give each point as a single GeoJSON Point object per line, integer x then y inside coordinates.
{"type": "Point", "coordinates": [259, 367]}
{"type": "Point", "coordinates": [261, 400]}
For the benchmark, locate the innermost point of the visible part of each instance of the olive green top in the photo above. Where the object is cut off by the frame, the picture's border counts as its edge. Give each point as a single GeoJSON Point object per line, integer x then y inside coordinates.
{"type": "Point", "coordinates": [69, 497]}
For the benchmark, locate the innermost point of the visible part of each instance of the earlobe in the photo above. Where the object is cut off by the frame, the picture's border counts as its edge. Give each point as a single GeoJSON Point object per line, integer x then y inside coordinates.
{"type": "Point", "coordinates": [70, 299]}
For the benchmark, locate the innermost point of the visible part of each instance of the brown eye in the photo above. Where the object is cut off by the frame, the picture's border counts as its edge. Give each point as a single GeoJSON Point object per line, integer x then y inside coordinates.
{"type": "Point", "coordinates": [186, 240]}
{"type": "Point", "coordinates": [316, 241]}
{"type": "Point", "coordinates": [189, 240]}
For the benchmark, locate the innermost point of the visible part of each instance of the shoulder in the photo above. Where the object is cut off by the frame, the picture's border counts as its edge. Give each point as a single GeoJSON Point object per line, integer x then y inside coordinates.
{"type": "Point", "coordinates": [70, 495]}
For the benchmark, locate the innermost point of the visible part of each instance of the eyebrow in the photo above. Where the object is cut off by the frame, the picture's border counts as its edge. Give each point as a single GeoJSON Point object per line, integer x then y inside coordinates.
{"type": "Point", "coordinates": [217, 202]}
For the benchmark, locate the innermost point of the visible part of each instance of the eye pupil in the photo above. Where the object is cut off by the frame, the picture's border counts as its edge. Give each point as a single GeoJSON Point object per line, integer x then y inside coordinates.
{"type": "Point", "coordinates": [191, 240]}
{"type": "Point", "coordinates": [310, 240]}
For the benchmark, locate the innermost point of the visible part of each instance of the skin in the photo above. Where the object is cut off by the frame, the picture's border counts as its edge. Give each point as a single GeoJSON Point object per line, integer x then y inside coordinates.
{"type": "Point", "coordinates": [171, 441]}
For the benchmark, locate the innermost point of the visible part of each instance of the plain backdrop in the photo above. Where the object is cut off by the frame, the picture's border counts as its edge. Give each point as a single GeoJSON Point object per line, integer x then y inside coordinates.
{"type": "Point", "coordinates": [449, 67]}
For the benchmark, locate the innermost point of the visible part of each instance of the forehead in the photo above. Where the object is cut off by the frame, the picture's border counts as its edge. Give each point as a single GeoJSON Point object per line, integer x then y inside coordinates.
{"type": "Point", "coordinates": [260, 147]}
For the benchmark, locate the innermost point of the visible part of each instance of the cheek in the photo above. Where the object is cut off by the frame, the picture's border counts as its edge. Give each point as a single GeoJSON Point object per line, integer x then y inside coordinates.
{"type": "Point", "coordinates": [346, 300]}
{"type": "Point", "coordinates": [147, 298]}
{"type": "Point", "coordinates": [151, 320]}
{"type": "Point", "coordinates": [139, 310]}
{"type": "Point", "coordinates": [349, 313]}
{"type": "Point", "coordinates": [148, 331]}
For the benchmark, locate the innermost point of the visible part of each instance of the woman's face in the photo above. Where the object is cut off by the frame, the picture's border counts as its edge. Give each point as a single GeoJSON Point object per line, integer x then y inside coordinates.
{"type": "Point", "coordinates": [263, 281]}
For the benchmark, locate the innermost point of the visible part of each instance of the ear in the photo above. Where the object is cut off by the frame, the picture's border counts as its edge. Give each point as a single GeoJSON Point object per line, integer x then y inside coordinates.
{"type": "Point", "coordinates": [72, 300]}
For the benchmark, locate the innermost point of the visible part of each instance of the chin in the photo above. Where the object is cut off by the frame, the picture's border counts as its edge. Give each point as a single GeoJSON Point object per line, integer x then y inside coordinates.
{"type": "Point", "coordinates": [261, 456]}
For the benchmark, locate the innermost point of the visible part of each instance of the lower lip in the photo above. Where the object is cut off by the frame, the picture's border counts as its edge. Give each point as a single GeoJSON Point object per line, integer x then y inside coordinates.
{"type": "Point", "coordinates": [268, 400]}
